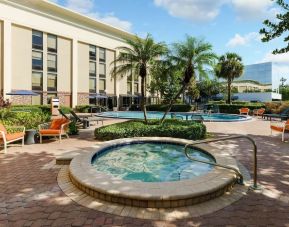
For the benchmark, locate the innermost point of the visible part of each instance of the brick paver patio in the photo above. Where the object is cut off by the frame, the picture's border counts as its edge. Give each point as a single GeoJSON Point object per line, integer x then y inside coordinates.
{"type": "Point", "coordinates": [30, 195]}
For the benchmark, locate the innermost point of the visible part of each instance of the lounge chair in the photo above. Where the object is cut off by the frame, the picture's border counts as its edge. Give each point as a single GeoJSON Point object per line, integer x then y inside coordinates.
{"type": "Point", "coordinates": [284, 115]}
{"type": "Point", "coordinates": [7, 138]}
{"type": "Point", "coordinates": [259, 112]}
{"type": "Point", "coordinates": [57, 128]}
{"type": "Point", "coordinates": [63, 114]}
{"type": "Point", "coordinates": [86, 119]}
{"type": "Point", "coordinates": [244, 111]}
{"type": "Point", "coordinates": [282, 127]}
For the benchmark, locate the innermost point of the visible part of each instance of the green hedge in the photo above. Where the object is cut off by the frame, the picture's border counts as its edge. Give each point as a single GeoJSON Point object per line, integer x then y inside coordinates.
{"type": "Point", "coordinates": [136, 128]}
{"type": "Point", "coordinates": [234, 108]}
{"type": "Point", "coordinates": [86, 108]}
{"type": "Point", "coordinates": [175, 108]}
{"type": "Point", "coordinates": [38, 108]}
{"type": "Point", "coordinates": [30, 120]}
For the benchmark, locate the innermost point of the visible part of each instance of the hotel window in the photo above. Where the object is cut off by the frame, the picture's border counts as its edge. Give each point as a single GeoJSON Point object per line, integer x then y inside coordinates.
{"type": "Point", "coordinates": [102, 55]}
{"type": "Point", "coordinates": [102, 71]}
{"type": "Point", "coordinates": [37, 40]}
{"type": "Point", "coordinates": [92, 85]}
{"type": "Point", "coordinates": [136, 88]}
{"type": "Point", "coordinates": [92, 53]}
{"type": "Point", "coordinates": [37, 100]}
{"type": "Point", "coordinates": [52, 63]}
{"type": "Point", "coordinates": [102, 85]}
{"type": "Point", "coordinates": [92, 69]}
{"type": "Point", "coordinates": [52, 43]}
{"type": "Point", "coordinates": [37, 60]}
{"type": "Point", "coordinates": [37, 84]}
{"type": "Point", "coordinates": [129, 84]}
{"type": "Point", "coordinates": [52, 82]}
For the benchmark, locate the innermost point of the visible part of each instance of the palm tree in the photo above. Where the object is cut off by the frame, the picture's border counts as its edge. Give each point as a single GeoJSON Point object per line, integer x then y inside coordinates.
{"type": "Point", "coordinates": [191, 56]}
{"type": "Point", "coordinates": [230, 67]}
{"type": "Point", "coordinates": [136, 58]}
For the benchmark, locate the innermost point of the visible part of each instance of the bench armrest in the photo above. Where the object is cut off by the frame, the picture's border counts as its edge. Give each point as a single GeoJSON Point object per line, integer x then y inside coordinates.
{"type": "Point", "coordinates": [64, 127]}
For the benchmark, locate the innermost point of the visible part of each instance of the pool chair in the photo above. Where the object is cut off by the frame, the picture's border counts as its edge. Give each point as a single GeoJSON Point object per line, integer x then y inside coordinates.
{"type": "Point", "coordinates": [282, 127]}
{"type": "Point", "coordinates": [56, 128]}
{"type": "Point", "coordinates": [7, 138]}
{"type": "Point", "coordinates": [259, 112]}
{"type": "Point", "coordinates": [284, 115]}
{"type": "Point", "coordinates": [86, 120]}
{"type": "Point", "coordinates": [244, 111]}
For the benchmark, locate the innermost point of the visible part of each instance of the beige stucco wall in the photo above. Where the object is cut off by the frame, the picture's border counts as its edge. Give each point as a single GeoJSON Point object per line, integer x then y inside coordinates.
{"type": "Point", "coordinates": [83, 68]}
{"type": "Point", "coordinates": [21, 58]}
{"type": "Point", "coordinates": [1, 58]}
{"type": "Point", "coordinates": [110, 84]}
{"type": "Point", "coordinates": [64, 55]}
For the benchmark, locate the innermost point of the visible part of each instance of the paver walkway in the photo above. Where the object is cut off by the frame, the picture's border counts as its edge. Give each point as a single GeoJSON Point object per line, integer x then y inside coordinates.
{"type": "Point", "coordinates": [30, 196]}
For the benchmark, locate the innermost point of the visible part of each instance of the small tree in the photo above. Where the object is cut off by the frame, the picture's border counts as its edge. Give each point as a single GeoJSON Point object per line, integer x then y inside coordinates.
{"type": "Point", "coordinates": [136, 58]}
{"type": "Point", "coordinates": [230, 67]}
{"type": "Point", "coordinates": [191, 57]}
{"type": "Point", "coordinates": [277, 29]}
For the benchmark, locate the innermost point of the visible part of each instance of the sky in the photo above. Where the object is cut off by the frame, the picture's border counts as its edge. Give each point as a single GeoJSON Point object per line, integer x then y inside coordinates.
{"type": "Point", "coordinates": [229, 25]}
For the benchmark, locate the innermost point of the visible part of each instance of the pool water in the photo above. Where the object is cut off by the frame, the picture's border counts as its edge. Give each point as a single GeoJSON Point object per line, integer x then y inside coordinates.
{"type": "Point", "coordinates": [215, 117]}
{"type": "Point", "coordinates": [151, 162]}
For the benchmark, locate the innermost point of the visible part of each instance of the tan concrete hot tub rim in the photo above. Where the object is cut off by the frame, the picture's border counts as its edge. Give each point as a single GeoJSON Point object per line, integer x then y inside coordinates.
{"type": "Point", "coordinates": [189, 192]}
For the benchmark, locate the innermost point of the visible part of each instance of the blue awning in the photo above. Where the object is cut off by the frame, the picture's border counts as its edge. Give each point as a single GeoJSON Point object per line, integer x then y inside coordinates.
{"type": "Point", "coordinates": [23, 93]}
{"type": "Point", "coordinates": [98, 96]}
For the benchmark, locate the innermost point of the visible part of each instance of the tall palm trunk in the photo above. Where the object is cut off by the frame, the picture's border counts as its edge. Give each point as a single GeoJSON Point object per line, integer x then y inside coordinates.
{"type": "Point", "coordinates": [181, 91]}
{"type": "Point", "coordinates": [143, 100]}
{"type": "Point", "coordinates": [229, 101]}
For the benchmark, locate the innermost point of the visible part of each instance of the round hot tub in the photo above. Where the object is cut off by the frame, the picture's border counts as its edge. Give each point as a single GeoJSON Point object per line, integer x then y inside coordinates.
{"type": "Point", "coordinates": [152, 172]}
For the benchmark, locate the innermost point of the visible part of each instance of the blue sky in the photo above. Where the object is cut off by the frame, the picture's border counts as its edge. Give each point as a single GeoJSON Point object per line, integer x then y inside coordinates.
{"type": "Point", "coordinates": [229, 25]}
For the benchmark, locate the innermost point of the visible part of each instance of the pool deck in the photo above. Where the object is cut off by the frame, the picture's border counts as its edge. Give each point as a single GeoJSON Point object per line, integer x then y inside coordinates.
{"type": "Point", "coordinates": [30, 195]}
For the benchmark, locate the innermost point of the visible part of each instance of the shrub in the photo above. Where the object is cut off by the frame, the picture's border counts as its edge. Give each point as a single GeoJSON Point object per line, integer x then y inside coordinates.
{"type": "Point", "coordinates": [30, 120]}
{"type": "Point", "coordinates": [73, 129]}
{"type": "Point", "coordinates": [82, 108]}
{"type": "Point", "coordinates": [175, 108]}
{"type": "Point", "coordinates": [276, 107]}
{"type": "Point", "coordinates": [170, 128]}
{"type": "Point", "coordinates": [38, 108]}
{"type": "Point", "coordinates": [234, 108]}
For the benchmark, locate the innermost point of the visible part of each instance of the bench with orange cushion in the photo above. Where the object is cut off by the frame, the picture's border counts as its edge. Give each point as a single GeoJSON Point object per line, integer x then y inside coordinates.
{"type": "Point", "coordinates": [282, 127]}
{"type": "Point", "coordinates": [259, 112]}
{"type": "Point", "coordinates": [57, 127]}
{"type": "Point", "coordinates": [244, 111]}
{"type": "Point", "coordinates": [6, 138]}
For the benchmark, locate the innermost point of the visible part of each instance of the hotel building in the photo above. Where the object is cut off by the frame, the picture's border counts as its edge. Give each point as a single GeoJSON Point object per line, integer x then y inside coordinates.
{"type": "Point", "coordinates": [54, 51]}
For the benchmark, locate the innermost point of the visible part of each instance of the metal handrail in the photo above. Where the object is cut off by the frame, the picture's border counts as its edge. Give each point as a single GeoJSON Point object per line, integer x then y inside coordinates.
{"type": "Point", "coordinates": [255, 185]}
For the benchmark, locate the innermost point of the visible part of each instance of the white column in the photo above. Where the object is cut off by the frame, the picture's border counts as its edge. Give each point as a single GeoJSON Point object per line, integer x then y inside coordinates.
{"type": "Point", "coordinates": [117, 82]}
{"type": "Point", "coordinates": [7, 58]}
{"type": "Point", "coordinates": [74, 72]}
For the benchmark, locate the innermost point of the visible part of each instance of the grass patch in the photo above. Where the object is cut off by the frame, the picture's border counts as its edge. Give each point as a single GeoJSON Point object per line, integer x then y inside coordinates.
{"type": "Point", "coordinates": [137, 128]}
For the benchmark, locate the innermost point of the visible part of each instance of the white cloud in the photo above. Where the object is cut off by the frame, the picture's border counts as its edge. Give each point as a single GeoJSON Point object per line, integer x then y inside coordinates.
{"type": "Point", "coordinates": [254, 9]}
{"type": "Point", "coordinates": [277, 58]}
{"type": "Point", "coordinates": [207, 10]}
{"type": "Point", "coordinates": [239, 40]}
{"type": "Point", "coordinates": [193, 10]}
{"type": "Point", "coordinates": [86, 7]}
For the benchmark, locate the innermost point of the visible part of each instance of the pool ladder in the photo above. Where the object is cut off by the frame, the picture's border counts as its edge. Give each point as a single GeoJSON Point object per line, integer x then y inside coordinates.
{"type": "Point", "coordinates": [240, 180]}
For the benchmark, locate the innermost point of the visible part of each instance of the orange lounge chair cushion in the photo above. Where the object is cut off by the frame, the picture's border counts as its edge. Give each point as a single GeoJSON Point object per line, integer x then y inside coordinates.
{"type": "Point", "coordinates": [49, 132]}
{"type": "Point", "coordinates": [277, 128]}
{"type": "Point", "coordinates": [13, 136]}
{"type": "Point", "coordinates": [56, 123]}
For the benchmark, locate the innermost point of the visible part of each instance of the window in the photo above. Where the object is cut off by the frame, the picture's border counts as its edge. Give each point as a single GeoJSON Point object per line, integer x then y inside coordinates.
{"type": "Point", "coordinates": [136, 88]}
{"type": "Point", "coordinates": [129, 88]}
{"type": "Point", "coordinates": [37, 40]}
{"type": "Point", "coordinates": [135, 77]}
{"type": "Point", "coordinates": [37, 60]}
{"type": "Point", "coordinates": [52, 82]}
{"type": "Point", "coordinates": [37, 100]}
{"type": "Point", "coordinates": [102, 55]}
{"type": "Point", "coordinates": [102, 85]}
{"type": "Point", "coordinates": [37, 81]}
{"type": "Point", "coordinates": [102, 70]}
{"type": "Point", "coordinates": [92, 85]}
{"type": "Point", "coordinates": [52, 43]}
{"type": "Point", "coordinates": [92, 69]}
{"type": "Point", "coordinates": [51, 63]}
{"type": "Point", "coordinates": [92, 53]}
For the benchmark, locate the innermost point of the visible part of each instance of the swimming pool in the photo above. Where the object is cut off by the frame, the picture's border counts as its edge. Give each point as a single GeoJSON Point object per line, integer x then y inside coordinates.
{"type": "Point", "coordinates": [152, 162]}
{"type": "Point", "coordinates": [214, 117]}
